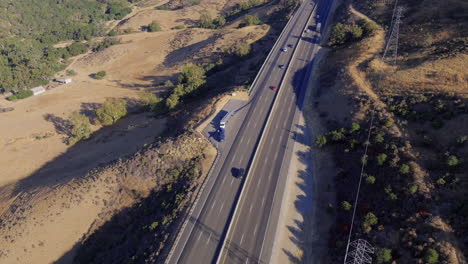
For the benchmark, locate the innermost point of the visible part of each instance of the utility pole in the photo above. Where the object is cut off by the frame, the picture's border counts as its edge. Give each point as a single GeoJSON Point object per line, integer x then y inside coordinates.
{"type": "Point", "coordinates": [391, 49]}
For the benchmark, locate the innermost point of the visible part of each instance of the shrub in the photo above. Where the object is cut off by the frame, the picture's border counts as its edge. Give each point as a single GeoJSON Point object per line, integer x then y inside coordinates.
{"type": "Point", "coordinates": [250, 20]}
{"type": "Point", "coordinates": [172, 101]}
{"type": "Point", "coordinates": [368, 26]}
{"type": "Point", "coordinates": [383, 255]}
{"type": "Point", "coordinates": [336, 135]}
{"type": "Point", "coordinates": [452, 161]}
{"type": "Point", "coordinates": [370, 179]}
{"type": "Point", "coordinates": [154, 225]}
{"type": "Point", "coordinates": [461, 140]}
{"type": "Point", "coordinates": [355, 31]}
{"type": "Point", "coordinates": [355, 127]}
{"type": "Point", "coordinates": [346, 206]}
{"type": "Point", "coordinates": [405, 169]}
{"type": "Point", "coordinates": [77, 48]}
{"type": "Point", "coordinates": [369, 220]}
{"type": "Point", "coordinates": [321, 141]}
{"type": "Point", "coordinates": [105, 43]}
{"type": "Point", "coordinates": [149, 101]}
{"type": "Point", "coordinates": [111, 111]}
{"type": "Point", "coordinates": [100, 75]}
{"type": "Point", "coordinates": [21, 94]}
{"type": "Point", "coordinates": [379, 138]}
{"type": "Point", "coordinates": [154, 26]}
{"type": "Point", "coordinates": [118, 9]}
{"type": "Point", "coordinates": [431, 256]}
{"type": "Point", "coordinates": [71, 73]}
{"type": "Point", "coordinates": [192, 77]}
{"type": "Point", "coordinates": [81, 127]}
{"type": "Point", "coordinates": [413, 189]}
{"type": "Point", "coordinates": [178, 27]}
{"type": "Point", "coordinates": [338, 36]}
{"type": "Point", "coordinates": [243, 49]}
{"type": "Point", "coordinates": [381, 158]}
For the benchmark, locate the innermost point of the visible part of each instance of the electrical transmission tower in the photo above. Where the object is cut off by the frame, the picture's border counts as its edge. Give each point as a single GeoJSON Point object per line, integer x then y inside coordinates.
{"type": "Point", "coordinates": [360, 252]}
{"type": "Point", "coordinates": [391, 49]}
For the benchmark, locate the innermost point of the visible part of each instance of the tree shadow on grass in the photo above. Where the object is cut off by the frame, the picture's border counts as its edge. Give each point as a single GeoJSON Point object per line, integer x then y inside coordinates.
{"type": "Point", "coordinates": [62, 126]}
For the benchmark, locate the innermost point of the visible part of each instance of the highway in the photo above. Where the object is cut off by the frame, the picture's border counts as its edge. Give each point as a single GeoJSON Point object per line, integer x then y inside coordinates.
{"type": "Point", "coordinates": [252, 233]}
{"type": "Point", "coordinates": [202, 240]}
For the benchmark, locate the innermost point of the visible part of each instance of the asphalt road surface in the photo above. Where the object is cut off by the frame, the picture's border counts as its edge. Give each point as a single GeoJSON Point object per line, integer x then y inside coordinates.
{"type": "Point", "coordinates": [202, 239]}
{"type": "Point", "coordinates": [252, 234]}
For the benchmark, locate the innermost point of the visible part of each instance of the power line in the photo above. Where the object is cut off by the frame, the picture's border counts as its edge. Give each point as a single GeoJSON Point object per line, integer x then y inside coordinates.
{"type": "Point", "coordinates": [361, 249]}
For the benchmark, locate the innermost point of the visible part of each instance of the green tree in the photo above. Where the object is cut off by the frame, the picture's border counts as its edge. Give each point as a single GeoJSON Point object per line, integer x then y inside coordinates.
{"type": "Point", "coordinates": [345, 205]}
{"type": "Point", "coordinates": [154, 225]}
{"type": "Point", "coordinates": [150, 101]}
{"type": "Point", "coordinates": [405, 169]}
{"type": "Point", "coordinates": [100, 75]}
{"type": "Point", "coordinates": [81, 127]}
{"type": "Point", "coordinates": [432, 256]}
{"type": "Point", "coordinates": [251, 20]}
{"type": "Point", "coordinates": [370, 179]}
{"type": "Point", "coordinates": [21, 94]}
{"type": "Point", "coordinates": [368, 26]}
{"type": "Point", "coordinates": [381, 158]}
{"type": "Point", "coordinates": [355, 31]}
{"type": "Point", "coordinates": [242, 49]}
{"type": "Point", "coordinates": [413, 189]}
{"type": "Point", "coordinates": [355, 127]}
{"type": "Point", "coordinates": [383, 255]}
{"type": "Point", "coordinates": [154, 26]}
{"type": "Point", "coordinates": [321, 141]}
{"type": "Point", "coordinates": [111, 111]}
{"type": "Point", "coordinates": [192, 77]}
{"type": "Point", "coordinates": [452, 161]}
{"type": "Point", "coordinates": [172, 101]}
{"type": "Point", "coordinates": [118, 9]}
{"type": "Point", "coordinates": [77, 48]}
{"type": "Point", "coordinates": [369, 220]}
{"type": "Point", "coordinates": [338, 36]}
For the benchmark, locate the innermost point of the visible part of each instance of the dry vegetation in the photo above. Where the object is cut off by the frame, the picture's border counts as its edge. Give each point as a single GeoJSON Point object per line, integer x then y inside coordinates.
{"type": "Point", "coordinates": [412, 206]}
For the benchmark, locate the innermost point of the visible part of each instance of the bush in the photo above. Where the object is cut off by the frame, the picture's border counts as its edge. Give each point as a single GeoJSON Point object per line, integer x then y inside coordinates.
{"type": "Point", "coordinates": [21, 94]}
{"type": "Point", "coordinates": [154, 225]}
{"type": "Point", "coordinates": [431, 256]}
{"type": "Point", "coordinates": [105, 43]}
{"type": "Point", "coordinates": [381, 158]}
{"type": "Point", "coordinates": [178, 27]}
{"type": "Point", "coordinates": [71, 73]}
{"type": "Point", "coordinates": [383, 255]}
{"type": "Point", "coordinates": [154, 26]}
{"type": "Point", "coordinates": [100, 75]}
{"type": "Point", "coordinates": [338, 36]}
{"type": "Point", "coordinates": [118, 9]}
{"type": "Point", "coordinates": [150, 101]}
{"type": "Point", "coordinates": [355, 31]}
{"type": "Point", "coordinates": [461, 140]}
{"type": "Point", "coordinates": [321, 141]}
{"type": "Point", "coordinates": [250, 20]}
{"type": "Point", "coordinates": [337, 135]}
{"type": "Point", "coordinates": [452, 161]}
{"type": "Point", "coordinates": [368, 26]}
{"type": "Point", "coordinates": [369, 220]}
{"type": "Point", "coordinates": [346, 206]}
{"type": "Point", "coordinates": [370, 179]}
{"type": "Point", "coordinates": [172, 101]}
{"type": "Point", "coordinates": [111, 111]}
{"type": "Point", "coordinates": [77, 48]}
{"type": "Point", "coordinates": [81, 127]}
{"type": "Point", "coordinates": [192, 77]}
{"type": "Point", "coordinates": [355, 127]}
{"type": "Point", "coordinates": [413, 189]}
{"type": "Point", "coordinates": [405, 169]}
{"type": "Point", "coordinates": [242, 49]}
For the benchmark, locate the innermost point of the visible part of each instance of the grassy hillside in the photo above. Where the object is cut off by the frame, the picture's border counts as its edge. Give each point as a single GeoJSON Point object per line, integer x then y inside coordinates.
{"type": "Point", "coordinates": [29, 28]}
{"type": "Point", "coordinates": [412, 203]}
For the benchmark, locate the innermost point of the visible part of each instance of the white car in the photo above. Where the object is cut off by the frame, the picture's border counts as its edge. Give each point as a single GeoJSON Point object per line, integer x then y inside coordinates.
{"type": "Point", "coordinates": [284, 49]}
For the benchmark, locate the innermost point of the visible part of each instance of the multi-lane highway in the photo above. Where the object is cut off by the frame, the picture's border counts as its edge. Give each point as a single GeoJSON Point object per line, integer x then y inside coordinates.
{"type": "Point", "coordinates": [218, 230]}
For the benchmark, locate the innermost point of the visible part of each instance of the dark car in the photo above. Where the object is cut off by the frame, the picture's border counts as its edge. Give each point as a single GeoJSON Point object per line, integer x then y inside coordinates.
{"type": "Point", "coordinates": [290, 45]}
{"type": "Point", "coordinates": [238, 172]}
{"type": "Point", "coordinates": [274, 88]}
{"type": "Point", "coordinates": [282, 66]}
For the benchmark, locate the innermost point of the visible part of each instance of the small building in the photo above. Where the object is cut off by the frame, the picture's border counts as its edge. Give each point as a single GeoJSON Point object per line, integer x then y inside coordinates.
{"type": "Point", "coordinates": [38, 90]}
{"type": "Point", "coordinates": [64, 81]}
{"type": "Point", "coordinates": [7, 94]}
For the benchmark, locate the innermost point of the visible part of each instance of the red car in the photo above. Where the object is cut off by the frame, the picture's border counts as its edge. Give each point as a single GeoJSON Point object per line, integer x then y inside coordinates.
{"type": "Point", "coordinates": [274, 88]}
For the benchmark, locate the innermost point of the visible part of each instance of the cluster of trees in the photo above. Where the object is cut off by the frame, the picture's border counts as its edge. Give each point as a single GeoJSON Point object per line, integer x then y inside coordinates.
{"type": "Point", "coordinates": [250, 20]}
{"type": "Point", "coordinates": [31, 27]}
{"type": "Point", "coordinates": [207, 21]}
{"type": "Point", "coordinates": [107, 114]}
{"type": "Point", "coordinates": [346, 33]}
